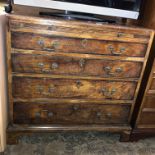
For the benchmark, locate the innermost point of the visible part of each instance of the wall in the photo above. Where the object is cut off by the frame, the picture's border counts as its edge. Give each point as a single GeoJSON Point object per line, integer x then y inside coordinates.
{"type": "Point", "coordinates": [3, 103]}
{"type": "Point", "coordinates": [148, 14]}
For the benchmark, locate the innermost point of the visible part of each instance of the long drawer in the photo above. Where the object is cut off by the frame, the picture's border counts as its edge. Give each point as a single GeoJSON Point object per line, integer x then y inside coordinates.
{"type": "Point", "coordinates": [77, 29]}
{"type": "Point", "coordinates": [74, 45]}
{"type": "Point", "coordinates": [56, 113]}
{"type": "Point", "coordinates": [74, 65]}
{"type": "Point", "coordinates": [32, 87]}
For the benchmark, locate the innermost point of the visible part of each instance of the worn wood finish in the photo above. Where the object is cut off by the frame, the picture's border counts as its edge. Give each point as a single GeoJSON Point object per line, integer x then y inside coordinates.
{"type": "Point", "coordinates": [150, 50]}
{"type": "Point", "coordinates": [73, 114]}
{"type": "Point", "coordinates": [73, 77]}
{"type": "Point", "coordinates": [145, 123]}
{"type": "Point", "coordinates": [147, 117]}
{"type": "Point", "coordinates": [68, 88]}
{"type": "Point", "coordinates": [57, 64]}
{"type": "Point", "coordinates": [50, 43]}
{"type": "Point", "coordinates": [81, 101]}
{"type": "Point", "coordinates": [71, 65]}
{"type": "Point", "coordinates": [149, 101]}
{"type": "Point", "coordinates": [152, 85]}
{"type": "Point", "coordinates": [9, 74]}
{"type": "Point", "coordinates": [78, 29]}
{"type": "Point", "coordinates": [147, 111]}
{"type": "Point", "coordinates": [79, 55]}
{"type": "Point", "coordinates": [147, 15]}
{"type": "Point", "coordinates": [141, 131]}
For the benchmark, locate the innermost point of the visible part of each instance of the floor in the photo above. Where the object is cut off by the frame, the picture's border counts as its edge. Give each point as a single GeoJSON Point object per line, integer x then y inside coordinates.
{"type": "Point", "coordinates": [91, 143]}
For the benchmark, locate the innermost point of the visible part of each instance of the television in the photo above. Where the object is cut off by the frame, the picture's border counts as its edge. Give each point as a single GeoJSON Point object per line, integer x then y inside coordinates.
{"type": "Point", "coordinates": [116, 8]}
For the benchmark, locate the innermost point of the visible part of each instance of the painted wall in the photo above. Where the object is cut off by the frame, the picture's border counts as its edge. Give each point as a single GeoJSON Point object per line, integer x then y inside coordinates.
{"type": "Point", "coordinates": [3, 102]}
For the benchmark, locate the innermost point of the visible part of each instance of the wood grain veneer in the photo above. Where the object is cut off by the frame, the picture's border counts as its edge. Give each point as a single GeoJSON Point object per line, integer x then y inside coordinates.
{"type": "Point", "coordinates": [143, 120]}
{"type": "Point", "coordinates": [70, 72]}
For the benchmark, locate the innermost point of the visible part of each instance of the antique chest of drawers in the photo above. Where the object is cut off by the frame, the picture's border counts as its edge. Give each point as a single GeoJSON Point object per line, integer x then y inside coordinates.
{"type": "Point", "coordinates": [72, 75]}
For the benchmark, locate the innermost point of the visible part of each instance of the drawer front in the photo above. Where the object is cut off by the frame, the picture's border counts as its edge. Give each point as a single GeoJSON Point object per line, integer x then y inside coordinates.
{"type": "Point", "coordinates": [71, 65]}
{"type": "Point", "coordinates": [152, 85]}
{"type": "Point", "coordinates": [25, 87]}
{"type": "Point", "coordinates": [149, 102]}
{"type": "Point", "coordinates": [147, 118]}
{"type": "Point", "coordinates": [70, 45]}
{"type": "Point", "coordinates": [56, 113]}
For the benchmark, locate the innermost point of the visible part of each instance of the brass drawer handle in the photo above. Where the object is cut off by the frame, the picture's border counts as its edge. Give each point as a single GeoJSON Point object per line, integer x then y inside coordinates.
{"type": "Point", "coordinates": [54, 45]}
{"type": "Point", "coordinates": [108, 93]}
{"type": "Point", "coordinates": [109, 72]}
{"type": "Point", "coordinates": [21, 25]}
{"type": "Point", "coordinates": [82, 63]}
{"type": "Point", "coordinates": [98, 115]}
{"type": "Point", "coordinates": [79, 84]}
{"type": "Point", "coordinates": [45, 70]}
{"type": "Point", "coordinates": [119, 69]}
{"type": "Point", "coordinates": [51, 89]}
{"type": "Point", "coordinates": [41, 65]}
{"type": "Point", "coordinates": [50, 114]}
{"type": "Point", "coordinates": [84, 43]}
{"type": "Point", "coordinates": [40, 89]}
{"type": "Point", "coordinates": [112, 50]}
{"type": "Point", "coordinates": [44, 112]}
{"type": "Point", "coordinates": [75, 107]}
{"type": "Point", "coordinates": [109, 115]}
{"type": "Point", "coordinates": [120, 34]}
{"type": "Point", "coordinates": [48, 49]}
{"type": "Point", "coordinates": [37, 115]}
{"type": "Point", "coordinates": [41, 42]}
{"type": "Point", "coordinates": [54, 65]}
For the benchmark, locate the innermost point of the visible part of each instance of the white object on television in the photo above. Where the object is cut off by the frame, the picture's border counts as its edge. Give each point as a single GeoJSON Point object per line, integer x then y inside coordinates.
{"type": "Point", "coordinates": [79, 8]}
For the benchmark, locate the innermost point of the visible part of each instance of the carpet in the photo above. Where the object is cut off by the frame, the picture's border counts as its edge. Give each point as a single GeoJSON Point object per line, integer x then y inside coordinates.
{"type": "Point", "coordinates": [83, 143]}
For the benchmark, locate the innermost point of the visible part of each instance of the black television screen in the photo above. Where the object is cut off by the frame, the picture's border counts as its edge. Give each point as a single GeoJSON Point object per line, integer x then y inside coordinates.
{"type": "Point", "coordinates": [131, 5]}
{"type": "Point", "coordinates": [116, 8]}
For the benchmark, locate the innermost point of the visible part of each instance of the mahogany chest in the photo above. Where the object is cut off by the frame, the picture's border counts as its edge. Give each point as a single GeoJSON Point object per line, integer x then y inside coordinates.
{"type": "Point", "coordinates": [72, 75]}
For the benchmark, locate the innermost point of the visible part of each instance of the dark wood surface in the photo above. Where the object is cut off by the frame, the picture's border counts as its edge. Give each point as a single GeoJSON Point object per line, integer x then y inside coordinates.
{"type": "Point", "coordinates": [31, 41]}
{"type": "Point", "coordinates": [66, 64]}
{"type": "Point", "coordinates": [81, 30]}
{"type": "Point", "coordinates": [145, 102]}
{"type": "Point", "coordinates": [146, 116]}
{"type": "Point", "coordinates": [144, 124]}
{"type": "Point", "coordinates": [70, 114]}
{"type": "Point", "coordinates": [27, 88]}
{"type": "Point", "coordinates": [141, 133]}
{"type": "Point", "coordinates": [95, 68]}
{"type": "Point", "coordinates": [149, 101]}
{"type": "Point", "coordinates": [147, 15]}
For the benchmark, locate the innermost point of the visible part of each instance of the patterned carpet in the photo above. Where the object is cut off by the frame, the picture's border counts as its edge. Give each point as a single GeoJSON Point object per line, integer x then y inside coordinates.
{"type": "Point", "coordinates": [91, 143]}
